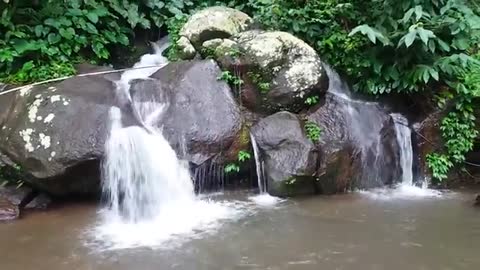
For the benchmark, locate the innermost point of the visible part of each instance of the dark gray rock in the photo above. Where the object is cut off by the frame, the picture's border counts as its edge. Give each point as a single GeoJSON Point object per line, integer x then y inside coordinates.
{"type": "Point", "coordinates": [211, 23]}
{"type": "Point", "coordinates": [202, 118]}
{"type": "Point", "coordinates": [25, 197]}
{"type": "Point", "coordinates": [8, 210]}
{"type": "Point", "coordinates": [57, 132]}
{"type": "Point", "coordinates": [289, 156]}
{"type": "Point", "coordinates": [428, 138]}
{"type": "Point", "coordinates": [50, 130]}
{"type": "Point", "coordinates": [358, 146]}
{"type": "Point", "coordinates": [285, 69]}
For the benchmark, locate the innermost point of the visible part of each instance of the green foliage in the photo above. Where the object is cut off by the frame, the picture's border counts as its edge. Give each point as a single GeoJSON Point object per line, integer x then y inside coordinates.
{"type": "Point", "coordinates": [258, 79]}
{"type": "Point", "coordinates": [54, 34]}
{"type": "Point", "coordinates": [386, 46]}
{"type": "Point", "coordinates": [11, 176]}
{"type": "Point", "coordinates": [242, 157]}
{"type": "Point", "coordinates": [228, 77]}
{"type": "Point", "coordinates": [207, 53]}
{"type": "Point", "coordinates": [175, 24]}
{"type": "Point", "coordinates": [51, 36]}
{"type": "Point", "coordinates": [313, 131]}
{"type": "Point", "coordinates": [323, 24]}
{"type": "Point", "coordinates": [427, 47]}
{"type": "Point", "coordinates": [232, 167]}
{"type": "Point", "coordinates": [312, 100]}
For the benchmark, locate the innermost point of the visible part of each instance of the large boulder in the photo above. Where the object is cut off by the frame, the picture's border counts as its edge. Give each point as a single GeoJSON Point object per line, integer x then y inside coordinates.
{"type": "Point", "coordinates": [57, 132]}
{"type": "Point", "coordinates": [284, 69]}
{"type": "Point", "coordinates": [202, 118]}
{"type": "Point", "coordinates": [358, 146]}
{"type": "Point", "coordinates": [289, 156]}
{"type": "Point", "coordinates": [8, 210]}
{"type": "Point", "coordinates": [428, 139]}
{"type": "Point", "coordinates": [210, 23]}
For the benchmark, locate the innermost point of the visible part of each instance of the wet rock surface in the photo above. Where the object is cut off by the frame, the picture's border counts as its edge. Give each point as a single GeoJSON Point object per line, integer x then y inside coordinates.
{"type": "Point", "coordinates": [428, 139]}
{"type": "Point", "coordinates": [57, 132]}
{"type": "Point", "coordinates": [289, 156]}
{"type": "Point", "coordinates": [8, 210]}
{"type": "Point", "coordinates": [210, 23]}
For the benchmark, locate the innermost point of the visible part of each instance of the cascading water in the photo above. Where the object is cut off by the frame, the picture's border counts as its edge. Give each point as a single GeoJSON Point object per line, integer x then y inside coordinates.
{"type": "Point", "coordinates": [262, 187]}
{"type": "Point", "coordinates": [406, 188]}
{"type": "Point", "coordinates": [148, 191]}
{"type": "Point", "coordinates": [404, 139]}
{"type": "Point", "coordinates": [365, 122]}
{"type": "Point", "coordinates": [366, 128]}
{"type": "Point", "coordinates": [263, 198]}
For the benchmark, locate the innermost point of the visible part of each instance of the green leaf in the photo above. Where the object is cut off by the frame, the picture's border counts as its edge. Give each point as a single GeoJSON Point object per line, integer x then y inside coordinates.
{"type": "Point", "coordinates": [74, 12]}
{"type": "Point", "coordinates": [39, 30]}
{"type": "Point", "coordinates": [434, 74]}
{"type": "Point", "coordinates": [52, 22]}
{"type": "Point", "coordinates": [410, 38]}
{"type": "Point", "coordinates": [53, 38]}
{"type": "Point", "coordinates": [21, 45]}
{"type": "Point", "coordinates": [425, 34]}
{"type": "Point", "coordinates": [418, 12]}
{"type": "Point", "coordinates": [93, 17]}
{"type": "Point", "coordinates": [445, 47]}
{"type": "Point", "coordinates": [91, 28]}
{"type": "Point", "coordinates": [123, 39]}
{"type": "Point", "coordinates": [68, 33]}
{"type": "Point", "coordinates": [407, 15]}
{"type": "Point", "coordinates": [101, 11]}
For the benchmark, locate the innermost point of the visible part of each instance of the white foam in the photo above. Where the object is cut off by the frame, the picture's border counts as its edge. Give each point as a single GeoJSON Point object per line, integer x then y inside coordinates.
{"type": "Point", "coordinates": [171, 227]}
{"type": "Point", "coordinates": [401, 191]}
{"type": "Point", "coordinates": [265, 200]}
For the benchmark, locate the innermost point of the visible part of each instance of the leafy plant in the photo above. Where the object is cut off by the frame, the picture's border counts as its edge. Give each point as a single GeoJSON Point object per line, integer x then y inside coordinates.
{"type": "Point", "coordinates": [262, 84]}
{"type": "Point", "coordinates": [312, 100]}
{"type": "Point", "coordinates": [228, 77]}
{"type": "Point", "coordinates": [232, 167]}
{"type": "Point", "coordinates": [242, 156]}
{"type": "Point", "coordinates": [11, 176]}
{"type": "Point", "coordinates": [313, 131]}
{"type": "Point", "coordinates": [428, 46]}
{"type": "Point", "coordinates": [175, 24]}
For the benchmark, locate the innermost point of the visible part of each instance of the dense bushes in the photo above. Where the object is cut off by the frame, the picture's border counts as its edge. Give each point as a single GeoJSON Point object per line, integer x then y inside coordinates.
{"type": "Point", "coordinates": [42, 39]}
{"type": "Point", "coordinates": [382, 46]}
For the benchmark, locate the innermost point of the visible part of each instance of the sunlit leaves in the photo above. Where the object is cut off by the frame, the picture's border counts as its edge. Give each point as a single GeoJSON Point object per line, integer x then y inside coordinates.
{"type": "Point", "coordinates": [372, 34]}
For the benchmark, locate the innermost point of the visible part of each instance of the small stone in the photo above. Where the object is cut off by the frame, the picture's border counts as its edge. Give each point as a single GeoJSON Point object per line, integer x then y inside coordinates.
{"type": "Point", "coordinates": [187, 51]}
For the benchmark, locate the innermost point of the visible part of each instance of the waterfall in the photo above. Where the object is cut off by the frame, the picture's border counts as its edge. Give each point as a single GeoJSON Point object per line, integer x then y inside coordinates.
{"type": "Point", "coordinates": [364, 123]}
{"type": "Point", "coordinates": [148, 192]}
{"type": "Point", "coordinates": [141, 172]}
{"type": "Point", "coordinates": [262, 187]}
{"type": "Point", "coordinates": [404, 138]}
{"type": "Point", "coordinates": [263, 198]}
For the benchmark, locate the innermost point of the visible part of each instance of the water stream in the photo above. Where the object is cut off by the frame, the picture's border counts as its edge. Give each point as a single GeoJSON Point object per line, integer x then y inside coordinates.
{"type": "Point", "coordinates": [365, 123]}
{"type": "Point", "coordinates": [348, 232]}
{"type": "Point", "coordinates": [148, 191]}
{"type": "Point", "coordinates": [404, 139]}
{"type": "Point", "coordinates": [263, 198]}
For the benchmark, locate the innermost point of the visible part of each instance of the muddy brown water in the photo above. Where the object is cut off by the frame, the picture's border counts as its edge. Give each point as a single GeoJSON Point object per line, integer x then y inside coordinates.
{"type": "Point", "coordinates": [353, 231]}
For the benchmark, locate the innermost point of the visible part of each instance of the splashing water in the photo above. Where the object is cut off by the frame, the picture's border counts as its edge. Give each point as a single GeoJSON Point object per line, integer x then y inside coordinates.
{"type": "Point", "coordinates": [364, 124]}
{"type": "Point", "coordinates": [262, 187]}
{"type": "Point", "coordinates": [407, 188]}
{"type": "Point", "coordinates": [404, 139]}
{"type": "Point", "coordinates": [148, 191]}
{"type": "Point", "coordinates": [263, 198]}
